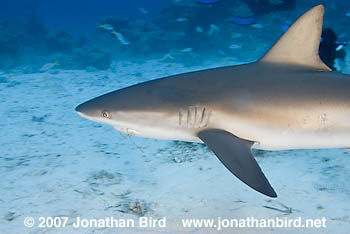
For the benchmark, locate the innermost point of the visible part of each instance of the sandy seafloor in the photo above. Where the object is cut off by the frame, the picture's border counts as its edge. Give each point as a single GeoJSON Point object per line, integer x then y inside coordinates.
{"type": "Point", "coordinates": [55, 163]}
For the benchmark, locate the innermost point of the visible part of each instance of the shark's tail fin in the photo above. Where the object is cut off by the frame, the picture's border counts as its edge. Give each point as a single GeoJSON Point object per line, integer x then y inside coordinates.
{"type": "Point", "coordinates": [299, 45]}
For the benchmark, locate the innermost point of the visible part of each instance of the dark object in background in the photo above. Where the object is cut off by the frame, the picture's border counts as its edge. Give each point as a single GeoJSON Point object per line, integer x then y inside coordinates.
{"type": "Point", "coordinates": [328, 48]}
{"type": "Point", "coordinates": [243, 20]}
{"type": "Point", "coordinates": [261, 7]}
{"type": "Point", "coordinates": [207, 1]}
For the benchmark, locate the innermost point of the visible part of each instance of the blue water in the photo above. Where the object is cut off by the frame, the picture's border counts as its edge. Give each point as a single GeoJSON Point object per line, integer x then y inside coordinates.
{"type": "Point", "coordinates": [53, 163]}
{"type": "Point", "coordinates": [77, 16]}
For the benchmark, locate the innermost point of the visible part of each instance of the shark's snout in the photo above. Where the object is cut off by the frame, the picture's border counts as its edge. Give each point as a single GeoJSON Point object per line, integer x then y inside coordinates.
{"type": "Point", "coordinates": [80, 109]}
{"type": "Point", "coordinates": [84, 110]}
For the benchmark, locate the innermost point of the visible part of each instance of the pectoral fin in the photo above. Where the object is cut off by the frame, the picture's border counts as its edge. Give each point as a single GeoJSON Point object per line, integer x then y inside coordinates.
{"type": "Point", "coordinates": [236, 155]}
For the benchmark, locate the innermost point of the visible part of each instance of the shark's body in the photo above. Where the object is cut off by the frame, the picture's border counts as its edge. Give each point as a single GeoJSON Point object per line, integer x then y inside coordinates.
{"type": "Point", "coordinates": [287, 100]}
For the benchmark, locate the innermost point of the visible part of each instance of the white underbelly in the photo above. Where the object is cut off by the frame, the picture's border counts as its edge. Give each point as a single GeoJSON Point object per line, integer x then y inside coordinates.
{"type": "Point", "coordinates": [302, 141]}
{"type": "Point", "coordinates": [273, 138]}
{"type": "Point", "coordinates": [266, 138]}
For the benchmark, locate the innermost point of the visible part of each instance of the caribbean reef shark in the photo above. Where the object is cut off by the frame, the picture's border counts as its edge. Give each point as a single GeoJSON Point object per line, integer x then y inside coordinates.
{"type": "Point", "coordinates": [289, 99]}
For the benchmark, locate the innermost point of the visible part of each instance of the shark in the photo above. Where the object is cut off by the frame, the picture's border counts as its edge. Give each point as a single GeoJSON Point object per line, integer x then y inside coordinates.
{"type": "Point", "coordinates": [288, 99]}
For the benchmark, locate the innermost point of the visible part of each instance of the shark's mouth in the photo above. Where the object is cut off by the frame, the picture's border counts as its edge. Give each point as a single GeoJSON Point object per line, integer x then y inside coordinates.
{"type": "Point", "coordinates": [84, 116]}
{"type": "Point", "coordinates": [127, 131]}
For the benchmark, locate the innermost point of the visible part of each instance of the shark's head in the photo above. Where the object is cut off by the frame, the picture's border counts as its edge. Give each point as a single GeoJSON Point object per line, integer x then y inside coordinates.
{"type": "Point", "coordinates": [141, 110]}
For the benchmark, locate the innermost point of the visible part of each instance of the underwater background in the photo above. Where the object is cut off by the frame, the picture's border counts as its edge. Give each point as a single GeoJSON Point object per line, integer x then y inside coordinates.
{"type": "Point", "coordinates": [55, 55]}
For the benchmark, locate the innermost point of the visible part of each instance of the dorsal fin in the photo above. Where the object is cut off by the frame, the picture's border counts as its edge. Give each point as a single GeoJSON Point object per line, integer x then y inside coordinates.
{"type": "Point", "coordinates": [299, 45]}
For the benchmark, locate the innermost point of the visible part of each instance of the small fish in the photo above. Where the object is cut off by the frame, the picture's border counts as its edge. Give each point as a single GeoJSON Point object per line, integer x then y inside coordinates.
{"type": "Point", "coordinates": [236, 35]}
{"type": "Point", "coordinates": [213, 28]}
{"type": "Point", "coordinates": [167, 56]}
{"type": "Point", "coordinates": [348, 14]}
{"type": "Point", "coordinates": [199, 29]}
{"type": "Point", "coordinates": [121, 38]}
{"type": "Point", "coordinates": [186, 50]}
{"type": "Point", "coordinates": [107, 27]}
{"type": "Point", "coordinates": [49, 66]}
{"type": "Point", "coordinates": [339, 47]}
{"type": "Point", "coordinates": [222, 53]}
{"type": "Point", "coordinates": [235, 46]}
{"type": "Point", "coordinates": [143, 10]}
{"type": "Point", "coordinates": [243, 20]}
{"type": "Point", "coordinates": [344, 43]}
{"type": "Point", "coordinates": [257, 26]}
{"type": "Point", "coordinates": [181, 19]}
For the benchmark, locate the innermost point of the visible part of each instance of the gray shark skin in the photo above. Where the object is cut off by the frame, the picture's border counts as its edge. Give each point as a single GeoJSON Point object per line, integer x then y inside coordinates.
{"type": "Point", "coordinates": [289, 99]}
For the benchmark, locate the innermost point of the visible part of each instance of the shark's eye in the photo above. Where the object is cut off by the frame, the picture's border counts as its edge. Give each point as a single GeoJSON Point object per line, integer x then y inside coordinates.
{"type": "Point", "coordinates": [106, 114]}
